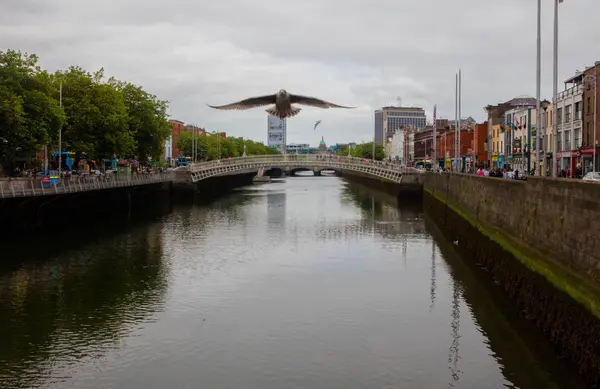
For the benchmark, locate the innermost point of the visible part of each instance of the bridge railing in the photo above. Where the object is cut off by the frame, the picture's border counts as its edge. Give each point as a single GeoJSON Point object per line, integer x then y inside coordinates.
{"type": "Point", "coordinates": [314, 159]}
{"type": "Point", "coordinates": [27, 187]}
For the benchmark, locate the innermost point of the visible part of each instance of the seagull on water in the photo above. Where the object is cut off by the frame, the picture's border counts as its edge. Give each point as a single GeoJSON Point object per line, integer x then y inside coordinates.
{"type": "Point", "coordinates": [283, 104]}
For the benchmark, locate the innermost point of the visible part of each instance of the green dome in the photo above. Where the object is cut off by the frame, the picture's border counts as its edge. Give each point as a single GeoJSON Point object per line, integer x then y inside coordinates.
{"type": "Point", "coordinates": [322, 142]}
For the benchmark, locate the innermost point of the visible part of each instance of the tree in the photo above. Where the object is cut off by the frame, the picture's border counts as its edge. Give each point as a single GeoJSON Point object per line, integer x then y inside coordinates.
{"type": "Point", "coordinates": [365, 150]}
{"type": "Point", "coordinates": [30, 116]}
{"type": "Point", "coordinates": [97, 117]}
{"type": "Point", "coordinates": [212, 146]}
{"type": "Point", "coordinates": [146, 119]}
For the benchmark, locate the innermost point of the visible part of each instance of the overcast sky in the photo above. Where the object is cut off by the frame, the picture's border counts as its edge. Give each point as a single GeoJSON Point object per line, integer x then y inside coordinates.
{"type": "Point", "coordinates": [352, 52]}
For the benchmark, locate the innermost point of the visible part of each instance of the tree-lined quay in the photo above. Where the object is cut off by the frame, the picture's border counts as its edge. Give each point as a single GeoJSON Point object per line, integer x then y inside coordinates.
{"type": "Point", "coordinates": [99, 117]}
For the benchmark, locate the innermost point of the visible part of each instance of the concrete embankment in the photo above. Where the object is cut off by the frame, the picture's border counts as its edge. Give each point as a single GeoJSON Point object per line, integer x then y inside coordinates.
{"type": "Point", "coordinates": [538, 240]}
{"type": "Point", "coordinates": [85, 208]}
{"type": "Point", "coordinates": [208, 189]}
{"type": "Point", "coordinates": [410, 189]}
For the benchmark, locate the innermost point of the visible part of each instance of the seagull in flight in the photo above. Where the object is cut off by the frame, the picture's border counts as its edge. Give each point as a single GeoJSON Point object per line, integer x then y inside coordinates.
{"type": "Point", "coordinates": [283, 104]}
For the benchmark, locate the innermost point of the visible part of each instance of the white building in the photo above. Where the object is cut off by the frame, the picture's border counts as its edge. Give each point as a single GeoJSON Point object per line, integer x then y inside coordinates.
{"type": "Point", "coordinates": [390, 119]}
{"type": "Point", "coordinates": [168, 151]}
{"type": "Point", "coordinates": [300, 148]}
{"type": "Point", "coordinates": [276, 133]}
{"type": "Point", "coordinates": [397, 146]}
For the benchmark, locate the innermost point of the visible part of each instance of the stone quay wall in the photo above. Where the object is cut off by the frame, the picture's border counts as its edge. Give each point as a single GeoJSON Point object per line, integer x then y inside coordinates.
{"type": "Point", "coordinates": [538, 240]}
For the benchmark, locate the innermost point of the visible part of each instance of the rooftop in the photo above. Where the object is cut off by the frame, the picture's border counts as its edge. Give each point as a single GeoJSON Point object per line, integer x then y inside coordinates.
{"type": "Point", "coordinates": [402, 108]}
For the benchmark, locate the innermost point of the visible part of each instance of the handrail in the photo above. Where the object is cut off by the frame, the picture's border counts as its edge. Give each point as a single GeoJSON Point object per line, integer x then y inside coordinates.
{"type": "Point", "coordinates": [35, 186]}
{"type": "Point", "coordinates": [287, 159]}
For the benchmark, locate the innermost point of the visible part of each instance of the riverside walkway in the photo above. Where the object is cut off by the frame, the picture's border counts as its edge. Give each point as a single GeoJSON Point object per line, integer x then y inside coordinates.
{"type": "Point", "coordinates": [30, 187]}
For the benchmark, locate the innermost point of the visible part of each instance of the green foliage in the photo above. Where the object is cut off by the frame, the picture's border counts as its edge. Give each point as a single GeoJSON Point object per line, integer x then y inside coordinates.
{"type": "Point", "coordinates": [210, 146]}
{"type": "Point", "coordinates": [364, 150]}
{"type": "Point", "coordinates": [99, 117]}
{"type": "Point", "coordinates": [29, 111]}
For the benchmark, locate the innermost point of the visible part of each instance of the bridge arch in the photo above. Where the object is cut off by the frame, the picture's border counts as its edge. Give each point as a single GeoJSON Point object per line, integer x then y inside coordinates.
{"type": "Point", "coordinates": [382, 170]}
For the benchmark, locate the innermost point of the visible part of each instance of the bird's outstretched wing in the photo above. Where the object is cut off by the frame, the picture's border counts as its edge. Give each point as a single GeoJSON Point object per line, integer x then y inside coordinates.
{"type": "Point", "coordinates": [314, 102]}
{"type": "Point", "coordinates": [252, 102]}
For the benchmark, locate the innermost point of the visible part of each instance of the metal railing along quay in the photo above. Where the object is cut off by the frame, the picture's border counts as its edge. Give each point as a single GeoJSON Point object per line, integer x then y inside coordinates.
{"type": "Point", "coordinates": [27, 187]}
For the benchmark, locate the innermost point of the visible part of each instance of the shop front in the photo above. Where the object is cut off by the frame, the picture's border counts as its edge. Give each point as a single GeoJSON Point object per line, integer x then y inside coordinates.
{"type": "Point", "coordinates": [494, 160]}
{"type": "Point", "coordinates": [586, 159]}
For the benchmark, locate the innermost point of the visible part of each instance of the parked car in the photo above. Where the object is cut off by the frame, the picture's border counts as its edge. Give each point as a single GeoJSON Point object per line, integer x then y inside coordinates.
{"type": "Point", "coordinates": [592, 176]}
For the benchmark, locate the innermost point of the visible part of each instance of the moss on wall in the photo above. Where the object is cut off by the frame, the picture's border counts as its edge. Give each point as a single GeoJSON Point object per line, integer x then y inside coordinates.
{"type": "Point", "coordinates": [554, 299]}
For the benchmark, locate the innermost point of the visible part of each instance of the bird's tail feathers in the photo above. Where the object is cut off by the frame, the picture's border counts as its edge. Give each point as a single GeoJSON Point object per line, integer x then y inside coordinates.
{"type": "Point", "coordinates": [288, 113]}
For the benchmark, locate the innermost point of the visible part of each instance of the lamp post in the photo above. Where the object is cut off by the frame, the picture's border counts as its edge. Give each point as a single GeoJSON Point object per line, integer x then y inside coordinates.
{"type": "Point", "coordinates": [244, 154]}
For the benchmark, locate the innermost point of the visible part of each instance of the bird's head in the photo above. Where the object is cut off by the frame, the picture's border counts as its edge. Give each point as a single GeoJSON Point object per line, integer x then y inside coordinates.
{"type": "Point", "coordinates": [282, 93]}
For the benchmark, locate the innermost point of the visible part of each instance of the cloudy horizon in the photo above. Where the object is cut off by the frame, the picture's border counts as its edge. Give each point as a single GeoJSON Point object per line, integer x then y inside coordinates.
{"type": "Point", "coordinates": [355, 53]}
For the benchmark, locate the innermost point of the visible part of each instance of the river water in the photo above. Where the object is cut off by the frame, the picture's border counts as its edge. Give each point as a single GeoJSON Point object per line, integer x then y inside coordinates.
{"type": "Point", "coordinates": [307, 283]}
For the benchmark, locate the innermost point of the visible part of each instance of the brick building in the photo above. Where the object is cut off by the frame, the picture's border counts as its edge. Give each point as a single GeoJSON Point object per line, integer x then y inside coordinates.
{"type": "Point", "coordinates": [177, 128]}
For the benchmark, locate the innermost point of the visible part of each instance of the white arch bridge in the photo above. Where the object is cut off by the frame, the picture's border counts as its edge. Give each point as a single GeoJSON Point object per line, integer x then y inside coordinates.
{"type": "Point", "coordinates": [317, 163]}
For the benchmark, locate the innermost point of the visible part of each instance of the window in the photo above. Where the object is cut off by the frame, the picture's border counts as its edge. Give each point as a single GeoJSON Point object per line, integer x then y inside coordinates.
{"type": "Point", "coordinates": [567, 140]}
{"type": "Point", "coordinates": [568, 110]}
{"type": "Point", "coordinates": [578, 111]}
{"type": "Point", "coordinates": [559, 142]}
{"type": "Point", "coordinates": [589, 106]}
{"type": "Point", "coordinates": [577, 135]}
{"type": "Point", "coordinates": [587, 133]}
{"type": "Point", "coordinates": [559, 118]}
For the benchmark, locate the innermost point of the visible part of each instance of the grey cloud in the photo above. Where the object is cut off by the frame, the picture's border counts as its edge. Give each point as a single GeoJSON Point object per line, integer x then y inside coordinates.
{"type": "Point", "coordinates": [354, 52]}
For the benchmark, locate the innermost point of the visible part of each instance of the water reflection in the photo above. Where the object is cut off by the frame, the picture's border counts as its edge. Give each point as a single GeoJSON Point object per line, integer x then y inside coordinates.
{"type": "Point", "coordinates": [60, 313]}
{"type": "Point", "coordinates": [313, 282]}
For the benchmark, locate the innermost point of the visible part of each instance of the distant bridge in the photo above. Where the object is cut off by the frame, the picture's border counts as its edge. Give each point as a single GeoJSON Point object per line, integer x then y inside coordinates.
{"type": "Point", "coordinates": [290, 162]}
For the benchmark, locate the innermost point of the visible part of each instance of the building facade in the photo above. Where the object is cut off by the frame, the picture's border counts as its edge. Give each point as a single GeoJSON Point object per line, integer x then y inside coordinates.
{"type": "Point", "coordinates": [276, 133]}
{"type": "Point", "coordinates": [397, 146]}
{"type": "Point", "coordinates": [177, 127]}
{"type": "Point", "coordinates": [519, 142]}
{"type": "Point", "coordinates": [388, 120]}
{"type": "Point", "coordinates": [569, 121]}
{"type": "Point", "coordinates": [591, 127]}
{"type": "Point", "coordinates": [298, 148]}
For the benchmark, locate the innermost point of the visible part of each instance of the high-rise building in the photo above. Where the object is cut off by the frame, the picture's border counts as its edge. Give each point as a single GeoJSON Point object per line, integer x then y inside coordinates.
{"type": "Point", "coordinates": [390, 119]}
{"type": "Point", "coordinates": [276, 133]}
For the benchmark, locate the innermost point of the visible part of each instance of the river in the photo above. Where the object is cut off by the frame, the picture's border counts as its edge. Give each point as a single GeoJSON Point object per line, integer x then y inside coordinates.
{"type": "Point", "coordinates": [311, 282]}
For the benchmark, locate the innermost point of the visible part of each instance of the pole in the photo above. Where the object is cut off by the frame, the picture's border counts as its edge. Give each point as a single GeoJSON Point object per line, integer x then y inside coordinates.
{"type": "Point", "coordinates": [528, 140]}
{"type": "Point", "coordinates": [538, 91]}
{"type": "Point", "coordinates": [456, 125]}
{"type": "Point", "coordinates": [555, 150]}
{"type": "Point", "coordinates": [60, 134]}
{"type": "Point", "coordinates": [595, 168]}
{"type": "Point", "coordinates": [373, 151]}
{"type": "Point", "coordinates": [459, 114]}
{"type": "Point", "coordinates": [433, 152]}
